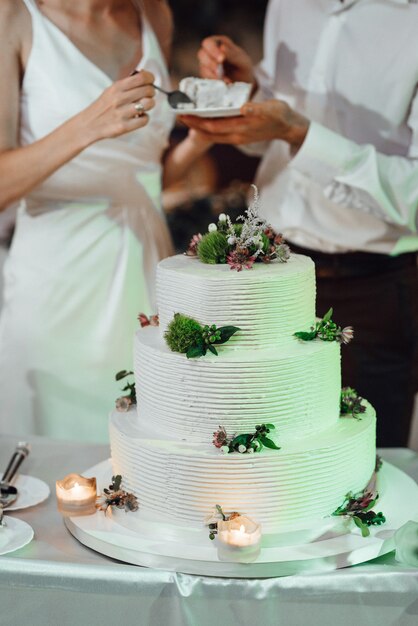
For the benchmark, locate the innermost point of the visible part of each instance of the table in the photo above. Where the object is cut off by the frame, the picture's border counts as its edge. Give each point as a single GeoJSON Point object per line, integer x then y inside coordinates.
{"type": "Point", "coordinates": [57, 581]}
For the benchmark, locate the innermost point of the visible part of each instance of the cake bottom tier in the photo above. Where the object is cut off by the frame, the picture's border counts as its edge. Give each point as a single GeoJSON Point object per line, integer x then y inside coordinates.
{"type": "Point", "coordinates": [284, 489]}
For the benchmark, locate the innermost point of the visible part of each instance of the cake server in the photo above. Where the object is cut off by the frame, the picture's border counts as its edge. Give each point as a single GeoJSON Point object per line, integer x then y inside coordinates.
{"type": "Point", "coordinates": [8, 492]}
{"type": "Point", "coordinates": [175, 98]}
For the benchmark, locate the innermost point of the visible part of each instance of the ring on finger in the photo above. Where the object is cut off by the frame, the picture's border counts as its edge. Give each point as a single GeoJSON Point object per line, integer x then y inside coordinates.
{"type": "Point", "coordinates": [139, 108]}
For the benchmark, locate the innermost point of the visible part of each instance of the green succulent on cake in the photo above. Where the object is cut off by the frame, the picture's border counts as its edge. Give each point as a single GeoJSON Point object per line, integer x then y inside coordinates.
{"type": "Point", "coordinates": [327, 330]}
{"type": "Point", "coordinates": [213, 248]}
{"type": "Point", "coordinates": [185, 335]}
{"type": "Point", "coordinates": [183, 332]}
{"type": "Point", "coordinates": [242, 244]}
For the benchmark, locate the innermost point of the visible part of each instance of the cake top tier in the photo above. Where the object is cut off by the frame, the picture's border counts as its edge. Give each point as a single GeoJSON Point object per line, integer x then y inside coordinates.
{"type": "Point", "coordinates": [268, 303]}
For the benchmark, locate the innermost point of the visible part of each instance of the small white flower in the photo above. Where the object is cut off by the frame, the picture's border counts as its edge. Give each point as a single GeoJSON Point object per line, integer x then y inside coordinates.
{"type": "Point", "coordinates": [256, 444]}
{"type": "Point", "coordinates": [242, 449]}
{"type": "Point", "coordinates": [224, 449]}
{"type": "Point", "coordinates": [346, 334]}
{"type": "Point", "coordinates": [250, 450]}
{"type": "Point", "coordinates": [231, 240]}
{"type": "Point", "coordinates": [222, 217]}
{"type": "Point", "coordinates": [283, 253]}
{"type": "Point", "coordinates": [212, 228]}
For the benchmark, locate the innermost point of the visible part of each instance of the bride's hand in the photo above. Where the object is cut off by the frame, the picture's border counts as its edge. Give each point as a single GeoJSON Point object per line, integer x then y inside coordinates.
{"type": "Point", "coordinates": [121, 108]}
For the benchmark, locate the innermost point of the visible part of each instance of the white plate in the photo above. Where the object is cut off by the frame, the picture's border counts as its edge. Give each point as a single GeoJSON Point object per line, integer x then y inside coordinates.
{"type": "Point", "coordinates": [14, 535]}
{"type": "Point", "coordinates": [215, 112]}
{"type": "Point", "coordinates": [31, 491]}
{"type": "Point", "coordinates": [143, 540]}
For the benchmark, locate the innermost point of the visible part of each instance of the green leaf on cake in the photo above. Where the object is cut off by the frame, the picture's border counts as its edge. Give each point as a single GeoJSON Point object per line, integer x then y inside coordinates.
{"type": "Point", "coordinates": [212, 349]}
{"type": "Point", "coordinates": [270, 426]}
{"type": "Point", "coordinates": [306, 336]}
{"type": "Point", "coordinates": [226, 333]}
{"type": "Point", "coordinates": [371, 504]}
{"type": "Point", "coordinates": [196, 351]}
{"type": "Point", "coordinates": [241, 440]}
{"type": "Point", "coordinates": [365, 532]}
{"type": "Point", "coordinates": [122, 374]}
{"type": "Point", "coordinates": [328, 315]}
{"type": "Point", "coordinates": [268, 443]}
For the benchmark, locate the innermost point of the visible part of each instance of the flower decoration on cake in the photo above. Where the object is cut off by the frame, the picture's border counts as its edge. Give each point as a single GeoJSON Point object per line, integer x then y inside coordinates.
{"type": "Point", "coordinates": [185, 335]}
{"type": "Point", "coordinates": [117, 497]}
{"type": "Point", "coordinates": [124, 403]}
{"type": "Point", "coordinates": [194, 242]}
{"type": "Point", "coordinates": [145, 321]}
{"type": "Point", "coordinates": [351, 403]}
{"type": "Point", "coordinates": [327, 330]}
{"type": "Point", "coordinates": [358, 507]}
{"type": "Point", "coordinates": [247, 443]}
{"type": "Point", "coordinates": [240, 245]}
{"type": "Point", "coordinates": [216, 516]}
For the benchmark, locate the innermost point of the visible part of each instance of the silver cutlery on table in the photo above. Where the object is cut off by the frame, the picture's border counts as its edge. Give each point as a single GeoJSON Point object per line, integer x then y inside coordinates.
{"type": "Point", "coordinates": [8, 492]}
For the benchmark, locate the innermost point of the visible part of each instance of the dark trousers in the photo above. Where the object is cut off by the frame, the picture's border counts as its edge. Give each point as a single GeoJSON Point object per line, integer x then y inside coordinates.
{"type": "Point", "coordinates": [381, 362]}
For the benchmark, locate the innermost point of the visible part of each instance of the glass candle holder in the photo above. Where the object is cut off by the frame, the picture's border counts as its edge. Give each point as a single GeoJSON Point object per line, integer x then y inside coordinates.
{"type": "Point", "coordinates": [76, 495]}
{"type": "Point", "coordinates": [238, 540]}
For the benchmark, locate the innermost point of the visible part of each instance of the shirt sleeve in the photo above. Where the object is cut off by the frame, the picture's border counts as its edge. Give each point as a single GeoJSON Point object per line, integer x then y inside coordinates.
{"type": "Point", "coordinates": [358, 176]}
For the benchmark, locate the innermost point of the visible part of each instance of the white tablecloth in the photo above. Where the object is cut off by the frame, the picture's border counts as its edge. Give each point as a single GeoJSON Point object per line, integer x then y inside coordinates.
{"type": "Point", "coordinates": [56, 581]}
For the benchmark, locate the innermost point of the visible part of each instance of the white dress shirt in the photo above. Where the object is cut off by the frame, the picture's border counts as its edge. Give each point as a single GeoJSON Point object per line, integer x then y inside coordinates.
{"type": "Point", "coordinates": [351, 67]}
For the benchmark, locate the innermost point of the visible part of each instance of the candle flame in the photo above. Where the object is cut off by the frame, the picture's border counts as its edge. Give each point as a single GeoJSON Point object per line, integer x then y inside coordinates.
{"type": "Point", "coordinates": [76, 485]}
{"type": "Point", "coordinates": [242, 529]}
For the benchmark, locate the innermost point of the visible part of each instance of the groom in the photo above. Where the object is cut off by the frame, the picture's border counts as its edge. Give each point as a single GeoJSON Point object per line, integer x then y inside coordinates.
{"type": "Point", "coordinates": [334, 114]}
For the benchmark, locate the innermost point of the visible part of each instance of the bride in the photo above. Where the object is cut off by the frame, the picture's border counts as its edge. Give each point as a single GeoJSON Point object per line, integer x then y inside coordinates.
{"type": "Point", "coordinates": [81, 143]}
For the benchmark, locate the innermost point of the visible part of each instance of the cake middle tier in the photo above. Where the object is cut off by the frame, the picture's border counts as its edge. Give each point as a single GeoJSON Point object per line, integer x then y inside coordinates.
{"type": "Point", "coordinates": [296, 388]}
{"type": "Point", "coordinates": [268, 302]}
{"type": "Point", "coordinates": [281, 489]}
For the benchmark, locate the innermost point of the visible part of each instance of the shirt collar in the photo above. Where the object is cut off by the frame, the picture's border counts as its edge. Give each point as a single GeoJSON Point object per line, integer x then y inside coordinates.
{"type": "Point", "coordinates": [337, 5]}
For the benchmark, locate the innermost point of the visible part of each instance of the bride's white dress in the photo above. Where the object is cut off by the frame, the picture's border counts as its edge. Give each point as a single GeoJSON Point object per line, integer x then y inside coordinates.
{"type": "Point", "coordinates": [84, 254]}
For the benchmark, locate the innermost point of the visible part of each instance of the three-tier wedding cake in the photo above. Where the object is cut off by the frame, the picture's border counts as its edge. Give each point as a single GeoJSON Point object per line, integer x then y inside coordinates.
{"type": "Point", "coordinates": [263, 375]}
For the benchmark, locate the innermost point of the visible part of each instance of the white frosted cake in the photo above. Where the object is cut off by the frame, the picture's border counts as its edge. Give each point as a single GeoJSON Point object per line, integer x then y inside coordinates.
{"type": "Point", "coordinates": [264, 374]}
{"type": "Point", "coordinates": [208, 93]}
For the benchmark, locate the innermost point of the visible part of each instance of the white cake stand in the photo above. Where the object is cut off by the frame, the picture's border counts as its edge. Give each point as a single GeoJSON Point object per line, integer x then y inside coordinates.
{"type": "Point", "coordinates": [332, 544]}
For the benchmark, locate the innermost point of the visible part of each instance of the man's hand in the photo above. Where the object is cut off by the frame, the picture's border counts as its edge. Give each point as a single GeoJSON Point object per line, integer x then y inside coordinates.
{"type": "Point", "coordinates": [264, 121]}
{"type": "Point", "coordinates": [220, 50]}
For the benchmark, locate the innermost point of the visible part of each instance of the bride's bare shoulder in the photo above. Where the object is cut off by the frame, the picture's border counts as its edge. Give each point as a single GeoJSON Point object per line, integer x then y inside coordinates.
{"type": "Point", "coordinates": [15, 23]}
{"type": "Point", "coordinates": [161, 18]}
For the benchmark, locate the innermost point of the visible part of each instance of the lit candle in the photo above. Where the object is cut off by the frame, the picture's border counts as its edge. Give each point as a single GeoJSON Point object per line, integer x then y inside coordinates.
{"type": "Point", "coordinates": [76, 495]}
{"type": "Point", "coordinates": [238, 540]}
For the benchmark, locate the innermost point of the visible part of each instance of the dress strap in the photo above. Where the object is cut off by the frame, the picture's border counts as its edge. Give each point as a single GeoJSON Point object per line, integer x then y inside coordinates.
{"type": "Point", "coordinates": [32, 7]}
